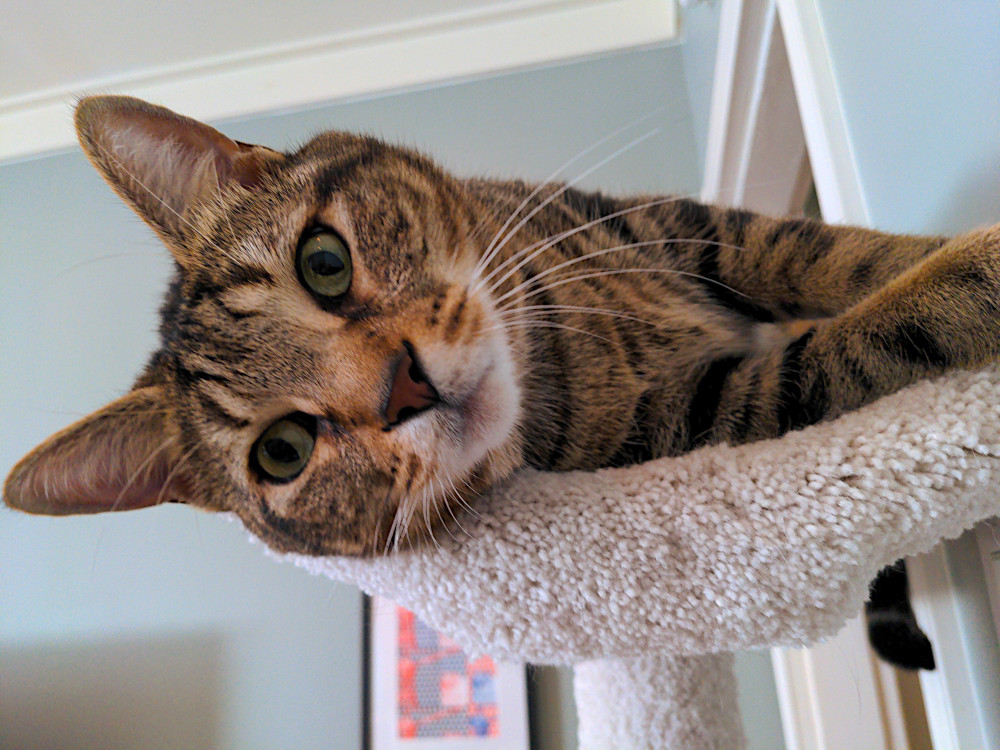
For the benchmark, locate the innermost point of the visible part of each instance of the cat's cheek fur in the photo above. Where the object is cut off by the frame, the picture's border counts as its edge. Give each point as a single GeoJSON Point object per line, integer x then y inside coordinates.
{"type": "Point", "coordinates": [492, 410]}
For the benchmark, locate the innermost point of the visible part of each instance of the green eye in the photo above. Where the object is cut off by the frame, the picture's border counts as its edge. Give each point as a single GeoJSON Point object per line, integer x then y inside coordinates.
{"type": "Point", "coordinates": [325, 265]}
{"type": "Point", "coordinates": [282, 452]}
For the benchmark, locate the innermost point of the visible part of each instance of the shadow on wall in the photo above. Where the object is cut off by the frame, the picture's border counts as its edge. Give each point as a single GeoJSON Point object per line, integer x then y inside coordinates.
{"type": "Point", "coordinates": [141, 692]}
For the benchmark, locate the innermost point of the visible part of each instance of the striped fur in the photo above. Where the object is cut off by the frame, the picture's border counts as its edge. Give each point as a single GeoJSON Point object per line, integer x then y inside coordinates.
{"type": "Point", "coordinates": [604, 332]}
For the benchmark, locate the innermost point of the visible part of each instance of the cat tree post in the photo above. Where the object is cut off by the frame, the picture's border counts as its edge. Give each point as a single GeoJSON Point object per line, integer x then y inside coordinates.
{"type": "Point", "coordinates": [656, 702]}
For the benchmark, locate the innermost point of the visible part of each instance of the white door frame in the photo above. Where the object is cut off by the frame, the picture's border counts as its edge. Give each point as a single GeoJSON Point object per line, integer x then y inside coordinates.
{"type": "Point", "coordinates": [774, 101]}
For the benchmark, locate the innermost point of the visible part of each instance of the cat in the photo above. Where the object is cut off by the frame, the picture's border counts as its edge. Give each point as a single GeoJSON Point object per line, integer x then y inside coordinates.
{"type": "Point", "coordinates": [356, 342]}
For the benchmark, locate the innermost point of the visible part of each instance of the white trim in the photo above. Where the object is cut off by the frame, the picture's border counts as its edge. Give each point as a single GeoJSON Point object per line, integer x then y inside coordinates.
{"type": "Point", "coordinates": [742, 48]}
{"type": "Point", "coordinates": [798, 720]}
{"type": "Point", "coordinates": [756, 147]}
{"type": "Point", "coordinates": [830, 697]}
{"type": "Point", "coordinates": [770, 178]}
{"type": "Point", "coordinates": [988, 537]}
{"type": "Point", "coordinates": [838, 184]}
{"type": "Point", "coordinates": [445, 48]}
{"type": "Point", "coordinates": [959, 713]}
{"type": "Point", "coordinates": [949, 685]}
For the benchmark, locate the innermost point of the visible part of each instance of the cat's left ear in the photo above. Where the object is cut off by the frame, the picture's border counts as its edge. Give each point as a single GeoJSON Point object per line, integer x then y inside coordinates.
{"type": "Point", "coordinates": [164, 164]}
{"type": "Point", "coordinates": [121, 457]}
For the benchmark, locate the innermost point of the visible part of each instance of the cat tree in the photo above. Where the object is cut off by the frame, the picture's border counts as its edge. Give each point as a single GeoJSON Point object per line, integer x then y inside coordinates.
{"type": "Point", "coordinates": [646, 578]}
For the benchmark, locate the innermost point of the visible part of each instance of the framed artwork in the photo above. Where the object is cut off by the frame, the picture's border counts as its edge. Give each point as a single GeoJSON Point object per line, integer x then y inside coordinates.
{"type": "Point", "coordinates": [424, 692]}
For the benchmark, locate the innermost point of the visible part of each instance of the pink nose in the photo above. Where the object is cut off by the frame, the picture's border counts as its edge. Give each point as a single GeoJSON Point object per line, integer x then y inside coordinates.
{"type": "Point", "coordinates": [412, 391]}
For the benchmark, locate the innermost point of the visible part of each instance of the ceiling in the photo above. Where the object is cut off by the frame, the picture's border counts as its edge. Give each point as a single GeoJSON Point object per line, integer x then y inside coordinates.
{"type": "Point", "coordinates": [227, 57]}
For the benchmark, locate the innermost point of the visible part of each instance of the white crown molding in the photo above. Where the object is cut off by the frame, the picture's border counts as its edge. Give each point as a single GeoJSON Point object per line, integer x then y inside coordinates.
{"type": "Point", "coordinates": [444, 48]}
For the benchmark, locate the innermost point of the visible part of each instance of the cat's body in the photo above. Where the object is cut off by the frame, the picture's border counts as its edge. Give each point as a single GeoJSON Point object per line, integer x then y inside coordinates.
{"type": "Point", "coordinates": [356, 343]}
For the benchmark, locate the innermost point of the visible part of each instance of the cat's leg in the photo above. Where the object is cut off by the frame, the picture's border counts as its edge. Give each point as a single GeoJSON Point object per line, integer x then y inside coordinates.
{"type": "Point", "coordinates": [942, 312]}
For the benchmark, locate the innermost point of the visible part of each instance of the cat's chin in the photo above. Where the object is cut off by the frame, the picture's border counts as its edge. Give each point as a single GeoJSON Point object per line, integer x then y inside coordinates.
{"type": "Point", "coordinates": [483, 418]}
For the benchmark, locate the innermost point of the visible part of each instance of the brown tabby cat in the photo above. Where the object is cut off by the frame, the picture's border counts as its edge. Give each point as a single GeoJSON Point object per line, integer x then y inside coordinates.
{"type": "Point", "coordinates": [357, 342]}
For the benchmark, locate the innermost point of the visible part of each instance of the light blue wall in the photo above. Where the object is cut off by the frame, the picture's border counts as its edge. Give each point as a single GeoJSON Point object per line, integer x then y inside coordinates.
{"type": "Point", "coordinates": [919, 82]}
{"type": "Point", "coordinates": [164, 627]}
{"type": "Point", "coordinates": [700, 29]}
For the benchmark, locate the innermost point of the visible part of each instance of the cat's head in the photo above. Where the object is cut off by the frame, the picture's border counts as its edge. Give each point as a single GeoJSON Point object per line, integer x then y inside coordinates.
{"type": "Point", "coordinates": [328, 370]}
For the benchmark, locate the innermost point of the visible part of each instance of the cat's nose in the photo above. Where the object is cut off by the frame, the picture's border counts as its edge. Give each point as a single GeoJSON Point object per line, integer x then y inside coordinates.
{"type": "Point", "coordinates": [412, 391]}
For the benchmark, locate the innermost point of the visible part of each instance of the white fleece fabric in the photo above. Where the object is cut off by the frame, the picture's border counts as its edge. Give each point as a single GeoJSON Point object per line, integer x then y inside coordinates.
{"type": "Point", "coordinates": [772, 543]}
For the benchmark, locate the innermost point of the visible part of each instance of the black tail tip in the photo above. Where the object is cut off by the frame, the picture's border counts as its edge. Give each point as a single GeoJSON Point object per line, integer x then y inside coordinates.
{"type": "Point", "coordinates": [898, 640]}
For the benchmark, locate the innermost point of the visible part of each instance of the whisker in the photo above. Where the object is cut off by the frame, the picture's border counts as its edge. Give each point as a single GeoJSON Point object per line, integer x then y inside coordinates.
{"type": "Point", "coordinates": [617, 271]}
{"type": "Point", "coordinates": [581, 258]}
{"type": "Point", "coordinates": [554, 239]}
{"type": "Point", "coordinates": [465, 503]}
{"type": "Point", "coordinates": [559, 192]}
{"type": "Point", "coordinates": [546, 324]}
{"type": "Point", "coordinates": [458, 499]}
{"type": "Point", "coordinates": [446, 503]}
{"type": "Point", "coordinates": [176, 468]}
{"type": "Point", "coordinates": [395, 531]}
{"type": "Point", "coordinates": [536, 311]}
{"type": "Point", "coordinates": [427, 502]}
{"type": "Point", "coordinates": [662, 201]}
{"type": "Point", "coordinates": [109, 256]}
{"type": "Point", "coordinates": [538, 188]}
{"type": "Point", "coordinates": [614, 215]}
{"type": "Point", "coordinates": [607, 251]}
{"type": "Point", "coordinates": [141, 184]}
{"type": "Point", "coordinates": [139, 469]}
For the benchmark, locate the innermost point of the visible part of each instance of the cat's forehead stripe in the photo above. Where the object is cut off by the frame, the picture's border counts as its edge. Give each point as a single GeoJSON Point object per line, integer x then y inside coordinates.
{"type": "Point", "coordinates": [218, 412]}
{"type": "Point", "coordinates": [333, 176]}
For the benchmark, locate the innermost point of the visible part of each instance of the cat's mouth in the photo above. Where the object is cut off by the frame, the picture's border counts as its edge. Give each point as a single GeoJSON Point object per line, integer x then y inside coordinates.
{"type": "Point", "coordinates": [474, 407]}
{"type": "Point", "coordinates": [481, 416]}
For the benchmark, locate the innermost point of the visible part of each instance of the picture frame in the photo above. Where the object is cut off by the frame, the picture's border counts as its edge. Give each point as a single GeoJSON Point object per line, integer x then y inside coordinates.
{"type": "Point", "coordinates": [424, 692]}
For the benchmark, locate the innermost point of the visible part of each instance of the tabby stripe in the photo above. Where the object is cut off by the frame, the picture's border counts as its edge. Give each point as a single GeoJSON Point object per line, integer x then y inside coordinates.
{"type": "Point", "coordinates": [986, 293]}
{"type": "Point", "coordinates": [861, 274]}
{"type": "Point", "coordinates": [795, 407]}
{"type": "Point", "coordinates": [913, 343]}
{"type": "Point", "coordinates": [857, 373]}
{"type": "Point", "coordinates": [248, 275]}
{"type": "Point", "coordinates": [189, 376]}
{"type": "Point", "coordinates": [811, 237]}
{"type": "Point", "coordinates": [708, 269]}
{"type": "Point", "coordinates": [218, 412]}
{"type": "Point", "coordinates": [595, 206]}
{"type": "Point", "coordinates": [333, 177]}
{"type": "Point", "coordinates": [635, 352]}
{"type": "Point", "coordinates": [737, 221]}
{"type": "Point", "coordinates": [748, 411]}
{"type": "Point", "coordinates": [236, 314]}
{"type": "Point", "coordinates": [704, 405]}
{"type": "Point", "coordinates": [455, 319]}
{"type": "Point", "coordinates": [638, 445]}
{"type": "Point", "coordinates": [697, 227]}
{"type": "Point", "coordinates": [559, 380]}
{"type": "Point", "coordinates": [202, 289]}
{"type": "Point", "coordinates": [412, 468]}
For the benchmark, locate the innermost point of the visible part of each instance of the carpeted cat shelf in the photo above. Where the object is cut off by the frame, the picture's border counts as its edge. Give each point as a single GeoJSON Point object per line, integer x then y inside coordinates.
{"type": "Point", "coordinates": [647, 577]}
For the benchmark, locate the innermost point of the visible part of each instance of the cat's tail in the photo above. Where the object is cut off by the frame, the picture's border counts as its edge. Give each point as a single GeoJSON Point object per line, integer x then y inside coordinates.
{"type": "Point", "coordinates": [893, 630]}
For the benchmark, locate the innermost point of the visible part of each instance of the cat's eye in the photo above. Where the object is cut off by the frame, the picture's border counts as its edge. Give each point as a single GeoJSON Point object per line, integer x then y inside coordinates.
{"type": "Point", "coordinates": [324, 264]}
{"type": "Point", "coordinates": [283, 450]}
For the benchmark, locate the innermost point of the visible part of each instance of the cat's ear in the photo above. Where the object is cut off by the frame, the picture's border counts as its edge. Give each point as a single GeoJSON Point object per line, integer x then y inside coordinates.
{"type": "Point", "coordinates": [162, 163]}
{"type": "Point", "coordinates": [118, 458]}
